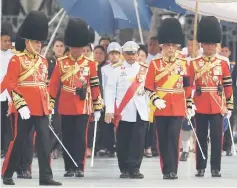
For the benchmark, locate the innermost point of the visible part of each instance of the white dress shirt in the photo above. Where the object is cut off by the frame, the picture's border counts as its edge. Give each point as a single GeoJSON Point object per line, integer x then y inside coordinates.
{"type": "Point", "coordinates": [117, 86]}
{"type": "Point", "coordinates": [5, 59]}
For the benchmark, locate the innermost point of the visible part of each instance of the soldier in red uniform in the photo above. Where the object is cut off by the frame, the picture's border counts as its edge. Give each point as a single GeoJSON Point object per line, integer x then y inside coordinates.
{"type": "Point", "coordinates": [213, 95]}
{"type": "Point", "coordinates": [26, 78]}
{"type": "Point", "coordinates": [79, 97]}
{"type": "Point", "coordinates": [170, 93]}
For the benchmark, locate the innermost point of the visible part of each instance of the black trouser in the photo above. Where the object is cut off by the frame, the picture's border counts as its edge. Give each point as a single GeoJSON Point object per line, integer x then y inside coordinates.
{"type": "Point", "coordinates": [90, 134]}
{"type": "Point", "coordinates": [216, 130]}
{"type": "Point", "coordinates": [74, 137]}
{"type": "Point", "coordinates": [16, 146]}
{"type": "Point", "coordinates": [151, 140]}
{"type": "Point", "coordinates": [168, 131]}
{"type": "Point", "coordinates": [227, 144]}
{"type": "Point", "coordinates": [130, 144]}
{"type": "Point", "coordinates": [27, 153]}
{"type": "Point", "coordinates": [6, 129]}
{"type": "Point", "coordinates": [56, 124]}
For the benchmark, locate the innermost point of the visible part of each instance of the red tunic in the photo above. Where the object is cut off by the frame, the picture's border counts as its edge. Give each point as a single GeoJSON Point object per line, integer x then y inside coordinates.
{"type": "Point", "coordinates": [26, 80]}
{"type": "Point", "coordinates": [207, 73]}
{"type": "Point", "coordinates": [73, 73]}
{"type": "Point", "coordinates": [168, 79]}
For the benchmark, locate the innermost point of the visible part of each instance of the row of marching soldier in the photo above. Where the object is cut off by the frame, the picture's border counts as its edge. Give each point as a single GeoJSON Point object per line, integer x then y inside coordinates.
{"type": "Point", "coordinates": [130, 95]}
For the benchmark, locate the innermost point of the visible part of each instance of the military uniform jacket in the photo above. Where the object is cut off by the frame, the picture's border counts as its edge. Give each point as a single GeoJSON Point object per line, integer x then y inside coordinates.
{"type": "Point", "coordinates": [207, 73]}
{"type": "Point", "coordinates": [117, 86]}
{"type": "Point", "coordinates": [72, 73]}
{"type": "Point", "coordinates": [26, 82]}
{"type": "Point", "coordinates": [169, 79]}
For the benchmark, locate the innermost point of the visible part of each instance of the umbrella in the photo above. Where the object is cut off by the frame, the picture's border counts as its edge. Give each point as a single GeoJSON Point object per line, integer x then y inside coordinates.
{"type": "Point", "coordinates": [222, 9]}
{"type": "Point", "coordinates": [168, 5]}
{"type": "Point", "coordinates": [105, 16]}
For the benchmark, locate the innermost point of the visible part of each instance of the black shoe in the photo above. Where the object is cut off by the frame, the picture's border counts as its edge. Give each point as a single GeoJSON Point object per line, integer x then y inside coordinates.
{"type": "Point", "coordinates": [173, 175]}
{"type": "Point", "coordinates": [167, 176]}
{"type": "Point", "coordinates": [7, 181]}
{"type": "Point", "coordinates": [136, 175]}
{"type": "Point", "coordinates": [184, 156]}
{"type": "Point", "coordinates": [111, 154]}
{"type": "Point", "coordinates": [27, 174]}
{"type": "Point", "coordinates": [124, 175]}
{"type": "Point", "coordinates": [50, 182]}
{"type": "Point", "coordinates": [155, 154]}
{"type": "Point", "coordinates": [20, 174]}
{"type": "Point", "coordinates": [228, 153]}
{"type": "Point", "coordinates": [101, 153]}
{"type": "Point", "coordinates": [215, 173]}
{"type": "Point", "coordinates": [79, 173]}
{"type": "Point", "coordinates": [69, 173]}
{"type": "Point", "coordinates": [200, 173]}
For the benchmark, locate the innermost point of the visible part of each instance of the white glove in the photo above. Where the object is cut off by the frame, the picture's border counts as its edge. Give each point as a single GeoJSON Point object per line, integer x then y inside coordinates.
{"type": "Point", "coordinates": [24, 112]}
{"type": "Point", "coordinates": [228, 114]}
{"type": "Point", "coordinates": [97, 115]}
{"type": "Point", "coordinates": [52, 111]}
{"type": "Point", "coordinates": [160, 104]}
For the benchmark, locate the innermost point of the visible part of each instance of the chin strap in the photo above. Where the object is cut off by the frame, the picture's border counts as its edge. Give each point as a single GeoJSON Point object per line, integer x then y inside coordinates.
{"type": "Point", "coordinates": [32, 48]}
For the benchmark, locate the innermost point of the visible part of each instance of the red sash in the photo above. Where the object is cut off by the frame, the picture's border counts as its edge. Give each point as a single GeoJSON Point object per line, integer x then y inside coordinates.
{"type": "Point", "coordinates": [129, 95]}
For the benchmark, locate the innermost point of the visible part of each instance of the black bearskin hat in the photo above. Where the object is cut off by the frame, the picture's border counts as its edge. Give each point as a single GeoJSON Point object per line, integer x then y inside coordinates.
{"type": "Point", "coordinates": [91, 35]}
{"type": "Point", "coordinates": [6, 28]}
{"type": "Point", "coordinates": [35, 26]}
{"type": "Point", "coordinates": [76, 33]}
{"type": "Point", "coordinates": [20, 42]}
{"type": "Point", "coordinates": [209, 30]}
{"type": "Point", "coordinates": [170, 31]}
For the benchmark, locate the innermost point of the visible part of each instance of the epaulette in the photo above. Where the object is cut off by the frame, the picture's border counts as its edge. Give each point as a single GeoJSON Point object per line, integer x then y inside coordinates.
{"type": "Point", "coordinates": [20, 54]}
{"type": "Point", "coordinates": [89, 58]}
{"type": "Point", "coordinates": [117, 64]}
{"type": "Point", "coordinates": [62, 58]}
{"type": "Point", "coordinates": [222, 57]}
{"type": "Point", "coordinates": [155, 58]}
{"type": "Point", "coordinates": [143, 64]}
{"type": "Point", "coordinates": [232, 63]}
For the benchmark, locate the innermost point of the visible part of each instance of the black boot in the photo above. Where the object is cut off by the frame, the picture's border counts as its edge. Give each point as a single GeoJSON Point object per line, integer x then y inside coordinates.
{"type": "Point", "coordinates": [79, 173]}
{"type": "Point", "coordinates": [229, 152]}
{"type": "Point", "coordinates": [173, 175]}
{"type": "Point", "coordinates": [20, 174]}
{"type": "Point", "coordinates": [124, 175]}
{"type": "Point", "coordinates": [27, 174]}
{"type": "Point", "coordinates": [7, 181]}
{"type": "Point", "coordinates": [184, 156]}
{"type": "Point", "coordinates": [69, 173]}
{"type": "Point", "coordinates": [167, 176]}
{"type": "Point", "coordinates": [200, 173]}
{"type": "Point", "coordinates": [50, 182]}
{"type": "Point", "coordinates": [136, 175]}
{"type": "Point", "coordinates": [215, 173]}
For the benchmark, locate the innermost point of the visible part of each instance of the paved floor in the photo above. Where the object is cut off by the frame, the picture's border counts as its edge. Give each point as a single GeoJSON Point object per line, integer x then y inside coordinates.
{"type": "Point", "coordinates": [105, 174]}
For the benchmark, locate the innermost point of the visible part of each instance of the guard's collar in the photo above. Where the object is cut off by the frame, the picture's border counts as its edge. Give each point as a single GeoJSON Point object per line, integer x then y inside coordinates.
{"type": "Point", "coordinates": [168, 59]}
{"type": "Point", "coordinates": [75, 59]}
{"type": "Point", "coordinates": [30, 55]}
{"type": "Point", "coordinates": [209, 58]}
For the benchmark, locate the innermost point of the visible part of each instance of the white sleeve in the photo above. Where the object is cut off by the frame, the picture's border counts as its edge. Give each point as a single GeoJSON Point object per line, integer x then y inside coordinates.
{"type": "Point", "coordinates": [103, 77]}
{"type": "Point", "coordinates": [111, 91]}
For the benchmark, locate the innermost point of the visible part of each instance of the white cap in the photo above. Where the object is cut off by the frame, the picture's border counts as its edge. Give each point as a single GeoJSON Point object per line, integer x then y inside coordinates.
{"type": "Point", "coordinates": [130, 46]}
{"type": "Point", "coordinates": [114, 46]}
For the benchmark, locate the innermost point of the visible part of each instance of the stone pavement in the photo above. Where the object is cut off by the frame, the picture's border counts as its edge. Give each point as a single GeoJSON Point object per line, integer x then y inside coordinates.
{"type": "Point", "coordinates": [105, 173]}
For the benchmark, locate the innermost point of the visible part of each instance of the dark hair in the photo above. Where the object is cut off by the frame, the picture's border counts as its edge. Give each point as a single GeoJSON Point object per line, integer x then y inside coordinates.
{"type": "Point", "coordinates": [104, 38]}
{"type": "Point", "coordinates": [225, 46]}
{"type": "Point", "coordinates": [154, 38]}
{"type": "Point", "coordinates": [66, 50]}
{"type": "Point", "coordinates": [58, 38]}
{"type": "Point", "coordinates": [101, 48]}
{"type": "Point", "coordinates": [143, 48]}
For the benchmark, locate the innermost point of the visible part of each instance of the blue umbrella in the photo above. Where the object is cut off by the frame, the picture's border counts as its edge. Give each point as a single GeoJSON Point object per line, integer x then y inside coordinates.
{"type": "Point", "coordinates": [104, 16]}
{"type": "Point", "coordinates": [168, 5]}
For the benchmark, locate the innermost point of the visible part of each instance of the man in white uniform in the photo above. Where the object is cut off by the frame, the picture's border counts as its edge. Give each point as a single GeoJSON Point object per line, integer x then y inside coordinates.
{"type": "Point", "coordinates": [127, 108]}
{"type": "Point", "coordinates": [5, 55]}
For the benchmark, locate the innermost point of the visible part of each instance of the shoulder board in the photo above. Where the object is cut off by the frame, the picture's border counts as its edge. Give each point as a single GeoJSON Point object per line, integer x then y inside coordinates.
{"type": "Point", "coordinates": [181, 58]}
{"type": "Point", "coordinates": [232, 63]}
{"type": "Point", "coordinates": [117, 64]}
{"type": "Point", "coordinates": [156, 58]}
{"type": "Point", "coordinates": [62, 58]}
{"type": "Point", "coordinates": [222, 57]}
{"type": "Point", "coordinates": [196, 58]}
{"type": "Point", "coordinates": [20, 54]}
{"type": "Point", "coordinates": [89, 58]}
{"type": "Point", "coordinates": [143, 64]}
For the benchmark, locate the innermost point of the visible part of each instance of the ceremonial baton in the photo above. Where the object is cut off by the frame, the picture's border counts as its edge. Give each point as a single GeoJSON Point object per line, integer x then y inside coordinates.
{"type": "Point", "coordinates": [65, 149]}
{"type": "Point", "coordinates": [203, 156]}
{"type": "Point", "coordinates": [93, 147]}
{"type": "Point", "coordinates": [231, 134]}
